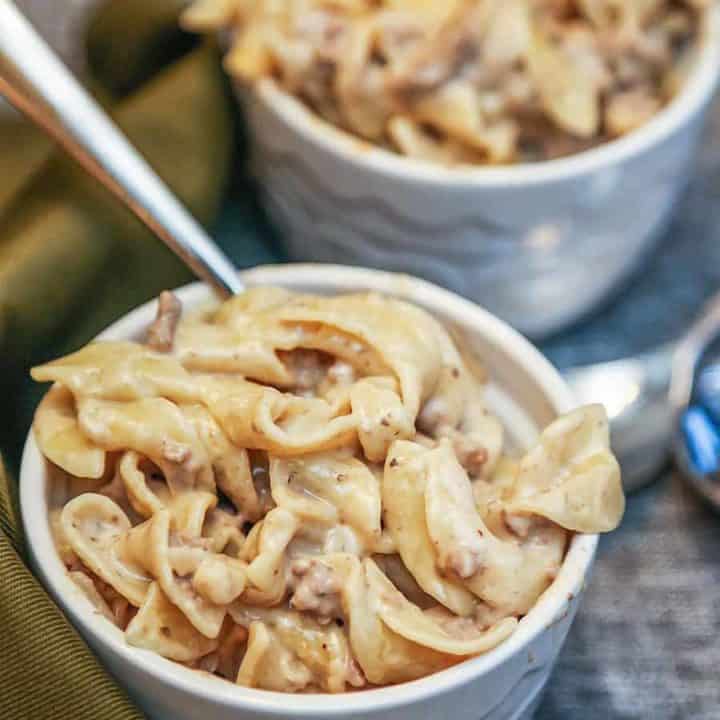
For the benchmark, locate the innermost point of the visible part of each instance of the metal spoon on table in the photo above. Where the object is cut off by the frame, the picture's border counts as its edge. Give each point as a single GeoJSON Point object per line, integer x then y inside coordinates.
{"type": "Point", "coordinates": [646, 396]}
{"type": "Point", "coordinates": [34, 80]}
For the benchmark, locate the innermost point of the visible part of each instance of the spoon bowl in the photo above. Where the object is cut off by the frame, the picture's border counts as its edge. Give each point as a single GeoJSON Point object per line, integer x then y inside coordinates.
{"type": "Point", "coordinates": [635, 394]}
{"type": "Point", "coordinates": [648, 397]}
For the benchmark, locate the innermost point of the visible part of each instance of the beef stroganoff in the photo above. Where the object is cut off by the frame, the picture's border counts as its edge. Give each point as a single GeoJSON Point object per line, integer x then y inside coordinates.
{"type": "Point", "coordinates": [308, 494]}
{"type": "Point", "coordinates": [467, 81]}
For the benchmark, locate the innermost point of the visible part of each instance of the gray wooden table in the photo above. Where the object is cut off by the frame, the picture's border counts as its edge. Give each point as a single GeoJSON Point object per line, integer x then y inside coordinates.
{"type": "Point", "coordinates": [646, 642]}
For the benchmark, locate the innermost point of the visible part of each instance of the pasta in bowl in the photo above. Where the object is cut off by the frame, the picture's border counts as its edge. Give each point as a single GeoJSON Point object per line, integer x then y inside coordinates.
{"type": "Point", "coordinates": [468, 82]}
{"type": "Point", "coordinates": [310, 494]}
{"type": "Point", "coordinates": [521, 236]}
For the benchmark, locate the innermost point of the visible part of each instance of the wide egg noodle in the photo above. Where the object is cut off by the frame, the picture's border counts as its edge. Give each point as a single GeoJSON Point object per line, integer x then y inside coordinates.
{"type": "Point", "coordinates": [404, 337]}
{"type": "Point", "coordinates": [223, 530]}
{"type": "Point", "coordinates": [155, 428]}
{"type": "Point", "coordinates": [269, 665]}
{"type": "Point", "coordinates": [408, 621]}
{"type": "Point", "coordinates": [393, 566]}
{"type": "Point", "coordinates": [293, 486]}
{"type": "Point", "coordinates": [403, 495]}
{"type": "Point", "coordinates": [322, 649]}
{"type": "Point", "coordinates": [258, 644]}
{"type": "Point", "coordinates": [253, 415]}
{"type": "Point", "coordinates": [411, 138]}
{"type": "Point", "coordinates": [454, 526]}
{"type": "Point", "coordinates": [144, 495]}
{"type": "Point", "coordinates": [263, 418]}
{"type": "Point", "coordinates": [571, 476]}
{"type": "Point", "coordinates": [149, 544]}
{"type": "Point", "coordinates": [264, 551]}
{"type": "Point", "coordinates": [371, 333]}
{"type": "Point", "coordinates": [490, 490]}
{"type": "Point", "coordinates": [393, 639]}
{"type": "Point", "coordinates": [119, 371]}
{"type": "Point", "coordinates": [481, 427]}
{"type": "Point", "coordinates": [447, 405]}
{"type": "Point", "coordinates": [568, 95]}
{"type": "Point", "coordinates": [518, 572]}
{"type": "Point", "coordinates": [231, 465]}
{"type": "Point", "coordinates": [160, 627]}
{"type": "Point", "coordinates": [189, 510]}
{"type": "Point", "coordinates": [508, 575]}
{"type": "Point", "coordinates": [94, 527]}
{"type": "Point", "coordinates": [60, 439]}
{"type": "Point", "coordinates": [209, 347]}
{"type": "Point", "coordinates": [456, 111]}
{"type": "Point", "coordinates": [457, 406]}
{"type": "Point", "coordinates": [381, 416]}
{"type": "Point", "coordinates": [246, 335]}
{"type": "Point", "coordinates": [329, 488]}
{"type": "Point", "coordinates": [64, 549]}
{"type": "Point", "coordinates": [355, 80]}
{"type": "Point", "coordinates": [219, 578]}
{"type": "Point", "coordinates": [384, 656]}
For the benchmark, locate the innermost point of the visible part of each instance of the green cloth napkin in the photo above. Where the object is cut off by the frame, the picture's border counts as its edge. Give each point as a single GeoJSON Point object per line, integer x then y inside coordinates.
{"type": "Point", "coordinates": [47, 670]}
{"type": "Point", "coordinates": [71, 261]}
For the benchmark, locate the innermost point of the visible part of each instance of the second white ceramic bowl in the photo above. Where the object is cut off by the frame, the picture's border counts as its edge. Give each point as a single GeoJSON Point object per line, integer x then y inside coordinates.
{"type": "Point", "coordinates": [505, 684]}
{"type": "Point", "coordinates": [538, 245]}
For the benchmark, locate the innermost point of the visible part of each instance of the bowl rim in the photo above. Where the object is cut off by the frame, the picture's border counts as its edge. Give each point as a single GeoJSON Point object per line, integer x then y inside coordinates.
{"type": "Point", "coordinates": [692, 98]}
{"type": "Point", "coordinates": [553, 606]}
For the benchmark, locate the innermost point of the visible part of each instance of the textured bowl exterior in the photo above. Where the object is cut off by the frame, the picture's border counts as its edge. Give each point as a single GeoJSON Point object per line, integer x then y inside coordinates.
{"type": "Point", "coordinates": [537, 245]}
{"type": "Point", "coordinates": [505, 684]}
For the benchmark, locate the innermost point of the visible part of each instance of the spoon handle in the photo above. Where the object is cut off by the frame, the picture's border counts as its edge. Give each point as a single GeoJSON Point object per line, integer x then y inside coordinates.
{"type": "Point", "coordinates": [36, 82]}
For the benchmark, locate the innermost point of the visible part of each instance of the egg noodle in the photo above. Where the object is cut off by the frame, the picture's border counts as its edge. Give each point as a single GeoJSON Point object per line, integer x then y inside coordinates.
{"type": "Point", "coordinates": [466, 81]}
{"type": "Point", "coordinates": [308, 494]}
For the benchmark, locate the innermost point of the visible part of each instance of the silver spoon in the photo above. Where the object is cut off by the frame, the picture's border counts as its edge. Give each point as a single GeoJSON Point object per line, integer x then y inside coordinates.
{"type": "Point", "coordinates": [36, 82]}
{"type": "Point", "coordinates": [33, 79]}
{"type": "Point", "coordinates": [635, 392]}
{"type": "Point", "coordinates": [645, 397]}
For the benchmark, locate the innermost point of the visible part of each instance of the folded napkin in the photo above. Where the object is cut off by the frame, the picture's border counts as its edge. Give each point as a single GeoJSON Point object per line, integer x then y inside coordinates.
{"type": "Point", "coordinates": [48, 672]}
{"type": "Point", "coordinates": [71, 261]}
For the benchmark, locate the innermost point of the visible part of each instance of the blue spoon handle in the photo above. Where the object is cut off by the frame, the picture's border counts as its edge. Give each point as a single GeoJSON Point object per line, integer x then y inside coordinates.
{"type": "Point", "coordinates": [702, 440]}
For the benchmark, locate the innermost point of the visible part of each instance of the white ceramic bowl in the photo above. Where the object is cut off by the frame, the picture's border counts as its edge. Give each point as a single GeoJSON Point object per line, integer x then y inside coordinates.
{"type": "Point", "coordinates": [536, 244]}
{"type": "Point", "coordinates": [505, 684]}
